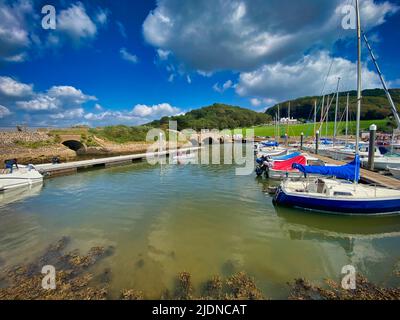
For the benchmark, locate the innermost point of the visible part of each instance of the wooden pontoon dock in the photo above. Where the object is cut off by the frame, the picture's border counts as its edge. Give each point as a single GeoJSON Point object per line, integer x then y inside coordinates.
{"type": "Point", "coordinates": [50, 169]}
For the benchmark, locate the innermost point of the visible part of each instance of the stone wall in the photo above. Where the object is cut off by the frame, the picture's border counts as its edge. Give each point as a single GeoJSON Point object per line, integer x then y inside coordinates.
{"type": "Point", "coordinates": [9, 148]}
{"type": "Point", "coordinates": [10, 138]}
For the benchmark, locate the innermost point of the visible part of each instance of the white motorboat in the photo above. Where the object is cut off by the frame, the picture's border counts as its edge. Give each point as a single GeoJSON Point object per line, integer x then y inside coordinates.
{"type": "Point", "coordinates": [185, 156]}
{"type": "Point", "coordinates": [383, 163]}
{"type": "Point", "coordinates": [21, 177]}
{"type": "Point", "coordinates": [272, 152]}
{"type": "Point", "coordinates": [348, 153]}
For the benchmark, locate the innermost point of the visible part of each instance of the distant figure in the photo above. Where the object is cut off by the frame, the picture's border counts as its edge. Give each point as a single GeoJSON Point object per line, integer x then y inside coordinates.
{"type": "Point", "coordinates": [9, 164]}
{"type": "Point", "coordinates": [55, 160]}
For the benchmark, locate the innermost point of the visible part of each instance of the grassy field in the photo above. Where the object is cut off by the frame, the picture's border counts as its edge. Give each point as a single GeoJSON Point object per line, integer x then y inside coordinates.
{"type": "Point", "coordinates": [308, 128]}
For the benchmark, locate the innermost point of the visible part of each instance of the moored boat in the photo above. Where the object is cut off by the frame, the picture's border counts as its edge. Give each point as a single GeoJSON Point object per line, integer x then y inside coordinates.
{"type": "Point", "coordinates": [338, 197]}
{"type": "Point", "coordinates": [284, 169]}
{"type": "Point", "coordinates": [383, 163]}
{"type": "Point", "coordinates": [20, 177]}
{"type": "Point", "coordinates": [395, 172]}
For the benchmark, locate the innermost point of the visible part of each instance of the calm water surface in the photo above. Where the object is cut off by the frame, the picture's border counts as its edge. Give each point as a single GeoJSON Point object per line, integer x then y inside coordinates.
{"type": "Point", "coordinates": [198, 218]}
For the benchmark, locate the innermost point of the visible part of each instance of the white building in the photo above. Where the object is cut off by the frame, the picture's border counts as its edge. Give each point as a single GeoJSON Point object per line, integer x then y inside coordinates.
{"type": "Point", "coordinates": [289, 120]}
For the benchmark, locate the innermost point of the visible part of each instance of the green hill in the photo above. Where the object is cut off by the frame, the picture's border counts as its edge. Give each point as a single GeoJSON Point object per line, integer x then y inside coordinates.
{"type": "Point", "coordinates": [217, 116]}
{"type": "Point", "coordinates": [374, 105]}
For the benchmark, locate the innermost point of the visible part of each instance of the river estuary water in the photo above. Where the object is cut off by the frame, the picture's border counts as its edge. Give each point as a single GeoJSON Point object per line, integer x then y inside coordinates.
{"type": "Point", "coordinates": [203, 219]}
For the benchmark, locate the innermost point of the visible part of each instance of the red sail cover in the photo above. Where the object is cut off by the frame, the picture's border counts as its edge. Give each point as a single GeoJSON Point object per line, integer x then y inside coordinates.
{"type": "Point", "coordinates": [287, 165]}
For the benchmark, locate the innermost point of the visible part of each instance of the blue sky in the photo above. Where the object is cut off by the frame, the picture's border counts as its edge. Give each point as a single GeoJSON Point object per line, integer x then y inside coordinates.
{"type": "Point", "coordinates": [111, 62]}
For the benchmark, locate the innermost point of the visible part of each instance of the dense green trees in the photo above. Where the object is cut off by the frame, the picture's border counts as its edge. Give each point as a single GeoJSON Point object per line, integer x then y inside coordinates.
{"type": "Point", "coordinates": [374, 105]}
{"type": "Point", "coordinates": [217, 116]}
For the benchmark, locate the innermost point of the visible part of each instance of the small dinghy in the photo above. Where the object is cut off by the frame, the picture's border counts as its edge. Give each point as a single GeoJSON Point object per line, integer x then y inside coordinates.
{"type": "Point", "coordinates": [184, 157]}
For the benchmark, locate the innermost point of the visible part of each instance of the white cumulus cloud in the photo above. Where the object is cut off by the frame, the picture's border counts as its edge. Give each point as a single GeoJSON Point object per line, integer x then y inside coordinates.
{"type": "Point", "coordinates": [69, 114]}
{"type": "Point", "coordinates": [14, 32]}
{"type": "Point", "coordinates": [227, 85]}
{"type": "Point", "coordinates": [158, 110]}
{"type": "Point", "coordinates": [4, 112]}
{"type": "Point", "coordinates": [12, 88]}
{"type": "Point", "coordinates": [76, 24]}
{"type": "Point", "coordinates": [128, 56]}
{"type": "Point", "coordinates": [244, 35]}
{"type": "Point", "coordinates": [255, 102]}
{"type": "Point", "coordinates": [57, 99]}
{"type": "Point", "coordinates": [304, 77]}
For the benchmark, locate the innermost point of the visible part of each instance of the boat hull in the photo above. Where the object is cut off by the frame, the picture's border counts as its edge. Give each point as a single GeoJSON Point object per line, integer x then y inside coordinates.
{"type": "Point", "coordinates": [395, 172]}
{"type": "Point", "coordinates": [338, 206]}
{"type": "Point", "coordinates": [383, 164]}
{"type": "Point", "coordinates": [280, 174]}
{"type": "Point", "coordinates": [19, 179]}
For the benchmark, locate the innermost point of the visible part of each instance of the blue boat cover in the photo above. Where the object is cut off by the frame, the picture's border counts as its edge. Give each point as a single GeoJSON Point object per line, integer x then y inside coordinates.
{"type": "Point", "coordinates": [287, 157]}
{"type": "Point", "coordinates": [281, 158]}
{"type": "Point", "coordinates": [350, 171]}
{"type": "Point", "coordinates": [270, 144]}
{"type": "Point", "coordinates": [326, 141]}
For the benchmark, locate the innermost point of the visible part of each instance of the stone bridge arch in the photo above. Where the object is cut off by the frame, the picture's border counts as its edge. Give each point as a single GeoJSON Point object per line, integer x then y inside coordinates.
{"type": "Point", "coordinates": [73, 142]}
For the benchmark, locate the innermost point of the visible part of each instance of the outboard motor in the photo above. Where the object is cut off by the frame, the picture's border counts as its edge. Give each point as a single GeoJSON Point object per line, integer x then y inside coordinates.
{"type": "Point", "coordinates": [259, 171]}
{"type": "Point", "coordinates": [263, 164]}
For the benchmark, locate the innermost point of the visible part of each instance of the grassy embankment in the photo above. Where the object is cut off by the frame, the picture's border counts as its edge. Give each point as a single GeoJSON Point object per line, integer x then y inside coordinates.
{"type": "Point", "coordinates": [118, 134]}
{"type": "Point", "coordinates": [121, 134]}
{"type": "Point", "coordinates": [308, 128]}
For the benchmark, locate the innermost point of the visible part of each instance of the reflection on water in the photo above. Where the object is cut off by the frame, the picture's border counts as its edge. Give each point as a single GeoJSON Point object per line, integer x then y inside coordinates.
{"type": "Point", "coordinates": [197, 218]}
{"type": "Point", "coordinates": [19, 194]}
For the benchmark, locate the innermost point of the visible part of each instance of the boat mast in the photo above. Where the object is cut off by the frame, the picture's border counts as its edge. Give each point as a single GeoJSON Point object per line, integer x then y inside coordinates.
{"type": "Point", "coordinates": [358, 77]}
{"type": "Point", "coordinates": [347, 117]}
{"type": "Point", "coordinates": [336, 111]}
{"type": "Point", "coordinates": [279, 123]}
{"type": "Point", "coordinates": [315, 116]}
{"type": "Point", "coordinates": [322, 108]}
{"type": "Point", "coordinates": [328, 106]}
{"type": "Point", "coordinates": [392, 105]}
{"type": "Point", "coordinates": [288, 118]}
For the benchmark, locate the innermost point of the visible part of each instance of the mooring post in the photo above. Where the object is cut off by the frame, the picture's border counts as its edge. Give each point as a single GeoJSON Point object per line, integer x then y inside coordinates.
{"type": "Point", "coordinates": [286, 140]}
{"type": "Point", "coordinates": [301, 140]}
{"type": "Point", "coordinates": [371, 150]}
{"type": "Point", "coordinates": [316, 141]}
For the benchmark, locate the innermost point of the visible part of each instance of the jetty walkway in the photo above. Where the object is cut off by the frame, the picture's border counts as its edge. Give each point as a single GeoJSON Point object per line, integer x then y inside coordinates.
{"type": "Point", "coordinates": [50, 169]}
